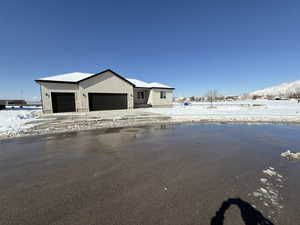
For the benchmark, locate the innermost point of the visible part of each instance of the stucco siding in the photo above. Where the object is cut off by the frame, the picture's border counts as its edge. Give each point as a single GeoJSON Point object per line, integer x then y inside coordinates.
{"type": "Point", "coordinates": [48, 87]}
{"type": "Point", "coordinates": [155, 100]}
{"type": "Point", "coordinates": [105, 83]}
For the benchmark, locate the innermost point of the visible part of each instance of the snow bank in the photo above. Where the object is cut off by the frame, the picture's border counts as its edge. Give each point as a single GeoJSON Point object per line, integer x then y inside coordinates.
{"type": "Point", "coordinates": [247, 111]}
{"type": "Point", "coordinates": [290, 155]}
{"type": "Point", "coordinates": [12, 122]}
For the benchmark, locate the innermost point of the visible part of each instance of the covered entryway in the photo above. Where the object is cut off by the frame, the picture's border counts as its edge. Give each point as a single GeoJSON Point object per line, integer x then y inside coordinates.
{"type": "Point", "coordinates": [141, 97]}
{"type": "Point", "coordinates": [63, 102]}
{"type": "Point", "coordinates": [107, 101]}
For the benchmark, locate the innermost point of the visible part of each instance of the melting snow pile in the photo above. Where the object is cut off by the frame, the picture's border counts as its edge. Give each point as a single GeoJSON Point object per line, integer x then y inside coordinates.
{"type": "Point", "coordinates": [290, 155]}
{"type": "Point", "coordinates": [12, 122]}
{"type": "Point", "coordinates": [269, 192]}
{"type": "Point", "coordinates": [270, 171]}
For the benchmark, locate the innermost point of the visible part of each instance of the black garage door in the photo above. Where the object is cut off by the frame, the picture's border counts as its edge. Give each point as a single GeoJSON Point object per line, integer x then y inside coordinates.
{"type": "Point", "coordinates": [106, 101]}
{"type": "Point", "coordinates": [63, 102]}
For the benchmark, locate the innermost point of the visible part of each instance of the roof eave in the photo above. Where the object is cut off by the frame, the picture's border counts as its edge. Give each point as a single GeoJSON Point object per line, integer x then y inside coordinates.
{"type": "Point", "coordinates": [108, 70]}
{"type": "Point", "coordinates": [56, 81]}
{"type": "Point", "coordinates": [155, 87]}
{"type": "Point", "coordinates": [77, 82]}
{"type": "Point", "coordinates": [169, 88]}
{"type": "Point", "coordinates": [143, 87]}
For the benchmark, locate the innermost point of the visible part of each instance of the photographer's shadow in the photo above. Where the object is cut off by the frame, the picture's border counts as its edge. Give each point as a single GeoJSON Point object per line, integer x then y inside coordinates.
{"type": "Point", "coordinates": [250, 215]}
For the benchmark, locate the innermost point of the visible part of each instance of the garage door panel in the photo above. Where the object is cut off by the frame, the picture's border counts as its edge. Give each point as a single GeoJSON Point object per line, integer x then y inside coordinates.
{"type": "Point", "coordinates": [107, 101]}
{"type": "Point", "coordinates": [63, 102]}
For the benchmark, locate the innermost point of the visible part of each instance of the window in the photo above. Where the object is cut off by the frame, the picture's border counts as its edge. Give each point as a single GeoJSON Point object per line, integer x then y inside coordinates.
{"type": "Point", "coordinates": [140, 95]}
{"type": "Point", "coordinates": [163, 94]}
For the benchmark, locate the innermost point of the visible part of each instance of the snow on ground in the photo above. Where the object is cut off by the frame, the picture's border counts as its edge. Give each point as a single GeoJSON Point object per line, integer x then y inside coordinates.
{"type": "Point", "coordinates": [269, 172]}
{"type": "Point", "coordinates": [248, 111]}
{"type": "Point", "coordinates": [269, 192]}
{"type": "Point", "coordinates": [290, 155]}
{"type": "Point", "coordinates": [13, 121]}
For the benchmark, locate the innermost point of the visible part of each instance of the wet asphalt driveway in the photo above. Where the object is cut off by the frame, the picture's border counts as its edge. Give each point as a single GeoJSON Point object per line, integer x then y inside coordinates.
{"type": "Point", "coordinates": [176, 174]}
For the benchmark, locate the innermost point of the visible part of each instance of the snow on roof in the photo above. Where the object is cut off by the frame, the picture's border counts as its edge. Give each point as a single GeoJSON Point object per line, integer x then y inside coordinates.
{"type": "Point", "coordinates": [138, 83]}
{"type": "Point", "coordinates": [158, 85]}
{"type": "Point", "coordinates": [78, 76]}
{"type": "Point", "coordinates": [142, 84]}
{"type": "Point", "coordinates": [68, 77]}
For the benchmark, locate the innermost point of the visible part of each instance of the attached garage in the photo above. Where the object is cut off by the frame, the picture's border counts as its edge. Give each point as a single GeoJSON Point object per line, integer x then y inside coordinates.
{"type": "Point", "coordinates": [63, 102]}
{"type": "Point", "coordinates": [107, 90]}
{"type": "Point", "coordinates": [107, 101]}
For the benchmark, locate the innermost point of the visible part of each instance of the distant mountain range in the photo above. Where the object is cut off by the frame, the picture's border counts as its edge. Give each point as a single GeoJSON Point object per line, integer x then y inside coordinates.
{"type": "Point", "coordinates": [282, 89]}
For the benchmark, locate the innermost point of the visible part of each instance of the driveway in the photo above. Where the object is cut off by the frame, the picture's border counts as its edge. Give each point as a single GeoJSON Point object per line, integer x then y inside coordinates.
{"type": "Point", "coordinates": [174, 174]}
{"type": "Point", "coordinates": [66, 122]}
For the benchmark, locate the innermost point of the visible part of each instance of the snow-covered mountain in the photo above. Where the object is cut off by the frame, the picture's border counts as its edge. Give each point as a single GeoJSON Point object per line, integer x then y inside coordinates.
{"type": "Point", "coordinates": [282, 89]}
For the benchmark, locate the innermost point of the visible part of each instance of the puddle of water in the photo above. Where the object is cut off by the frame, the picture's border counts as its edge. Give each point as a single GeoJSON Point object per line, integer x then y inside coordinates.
{"type": "Point", "coordinates": [173, 173]}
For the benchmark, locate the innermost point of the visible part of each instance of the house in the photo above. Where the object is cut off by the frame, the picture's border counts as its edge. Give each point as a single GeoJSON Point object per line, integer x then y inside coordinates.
{"type": "Point", "coordinates": [107, 90]}
{"type": "Point", "coordinates": [13, 103]}
{"type": "Point", "coordinates": [2, 104]}
{"type": "Point", "coordinates": [232, 98]}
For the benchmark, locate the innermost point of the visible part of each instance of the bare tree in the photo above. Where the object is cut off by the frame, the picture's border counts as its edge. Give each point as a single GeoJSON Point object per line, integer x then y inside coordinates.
{"type": "Point", "coordinates": [245, 96]}
{"type": "Point", "coordinates": [254, 97]}
{"type": "Point", "coordinates": [211, 95]}
{"type": "Point", "coordinates": [220, 98]}
{"type": "Point", "coordinates": [270, 97]}
{"type": "Point", "coordinates": [295, 94]}
{"type": "Point", "coordinates": [199, 99]}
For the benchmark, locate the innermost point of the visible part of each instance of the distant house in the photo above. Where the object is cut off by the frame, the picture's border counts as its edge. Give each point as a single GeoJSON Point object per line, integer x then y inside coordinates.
{"type": "Point", "coordinates": [107, 90]}
{"type": "Point", "coordinates": [11, 102]}
{"type": "Point", "coordinates": [2, 104]}
{"type": "Point", "coordinates": [232, 98]}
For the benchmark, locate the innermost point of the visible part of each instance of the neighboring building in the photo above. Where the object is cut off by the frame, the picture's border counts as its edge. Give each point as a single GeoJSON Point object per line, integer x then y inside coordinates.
{"type": "Point", "coordinates": [107, 90]}
{"type": "Point", "coordinates": [18, 102]}
{"type": "Point", "coordinates": [2, 104]}
{"type": "Point", "coordinates": [232, 98]}
{"type": "Point", "coordinates": [180, 99]}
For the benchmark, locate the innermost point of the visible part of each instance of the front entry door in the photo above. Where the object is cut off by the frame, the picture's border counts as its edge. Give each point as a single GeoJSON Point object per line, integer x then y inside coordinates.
{"type": "Point", "coordinates": [140, 97]}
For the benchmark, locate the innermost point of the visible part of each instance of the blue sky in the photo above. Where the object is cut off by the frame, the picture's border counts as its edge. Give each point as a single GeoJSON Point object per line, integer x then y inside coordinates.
{"type": "Point", "coordinates": [234, 46]}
